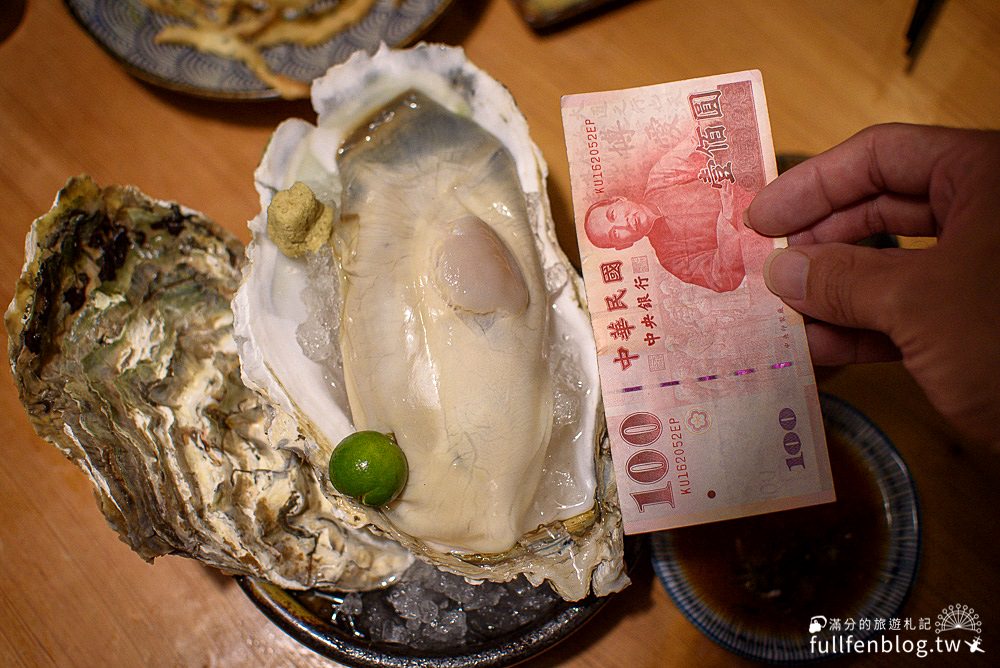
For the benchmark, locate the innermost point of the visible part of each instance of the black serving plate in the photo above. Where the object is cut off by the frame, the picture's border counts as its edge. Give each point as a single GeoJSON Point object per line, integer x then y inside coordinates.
{"type": "Point", "coordinates": [307, 616]}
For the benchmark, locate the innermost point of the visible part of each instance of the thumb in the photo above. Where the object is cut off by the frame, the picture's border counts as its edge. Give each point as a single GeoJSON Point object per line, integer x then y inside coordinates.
{"type": "Point", "coordinates": [850, 286]}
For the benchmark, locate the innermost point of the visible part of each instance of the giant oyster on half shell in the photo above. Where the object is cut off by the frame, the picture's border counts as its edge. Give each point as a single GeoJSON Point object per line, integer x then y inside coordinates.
{"type": "Point", "coordinates": [441, 310]}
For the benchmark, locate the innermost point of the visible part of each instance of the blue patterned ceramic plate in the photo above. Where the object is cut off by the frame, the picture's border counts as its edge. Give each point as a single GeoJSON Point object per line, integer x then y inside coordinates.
{"type": "Point", "coordinates": [779, 587]}
{"type": "Point", "coordinates": [127, 30]}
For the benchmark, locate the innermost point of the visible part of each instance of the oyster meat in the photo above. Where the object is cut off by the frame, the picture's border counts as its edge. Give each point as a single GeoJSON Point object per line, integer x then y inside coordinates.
{"type": "Point", "coordinates": [443, 311]}
{"type": "Point", "coordinates": [121, 346]}
{"type": "Point", "coordinates": [457, 369]}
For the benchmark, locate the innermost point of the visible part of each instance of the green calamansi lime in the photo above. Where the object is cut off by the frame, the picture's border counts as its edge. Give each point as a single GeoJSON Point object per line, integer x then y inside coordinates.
{"type": "Point", "coordinates": [369, 466]}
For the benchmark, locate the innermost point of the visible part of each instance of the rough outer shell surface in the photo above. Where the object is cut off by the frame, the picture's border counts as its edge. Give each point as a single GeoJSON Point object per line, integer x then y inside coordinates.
{"type": "Point", "coordinates": [121, 346]}
{"type": "Point", "coordinates": [578, 551]}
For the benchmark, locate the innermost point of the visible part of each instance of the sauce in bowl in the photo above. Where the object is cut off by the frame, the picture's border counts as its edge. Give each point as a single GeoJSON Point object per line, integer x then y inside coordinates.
{"type": "Point", "coordinates": [771, 573]}
{"type": "Point", "coordinates": [754, 584]}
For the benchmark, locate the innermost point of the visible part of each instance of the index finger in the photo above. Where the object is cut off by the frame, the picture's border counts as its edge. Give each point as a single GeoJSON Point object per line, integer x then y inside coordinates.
{"type": "Point", "coordinates": [895, 158]}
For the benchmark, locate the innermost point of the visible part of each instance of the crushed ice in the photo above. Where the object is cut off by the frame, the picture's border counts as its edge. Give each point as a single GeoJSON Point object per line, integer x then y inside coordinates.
{"type": "Point", "coordinates": [430, 609]}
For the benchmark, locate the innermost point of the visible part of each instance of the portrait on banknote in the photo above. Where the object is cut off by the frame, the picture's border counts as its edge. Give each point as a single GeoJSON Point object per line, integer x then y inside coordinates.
{"type": "Point", "coordinates": [692, 226]}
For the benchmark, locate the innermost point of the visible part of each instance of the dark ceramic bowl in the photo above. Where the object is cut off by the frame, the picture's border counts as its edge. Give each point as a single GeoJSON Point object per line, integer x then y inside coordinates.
{"type": "Point", "coordinates": [769, 587]}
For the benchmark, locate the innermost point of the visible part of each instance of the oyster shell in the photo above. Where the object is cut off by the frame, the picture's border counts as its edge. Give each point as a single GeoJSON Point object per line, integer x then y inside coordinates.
{"type": "Point", "coordinates": [120, 342]}
{"type": "Point", "coordinates": [490, 386]}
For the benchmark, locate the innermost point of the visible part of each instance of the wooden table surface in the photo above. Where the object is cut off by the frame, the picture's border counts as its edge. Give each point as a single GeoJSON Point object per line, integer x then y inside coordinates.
{"type": "Point", "coordinates": [72, 594]}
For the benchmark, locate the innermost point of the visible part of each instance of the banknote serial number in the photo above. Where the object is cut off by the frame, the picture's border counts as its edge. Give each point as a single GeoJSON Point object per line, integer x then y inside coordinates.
{"type": "Point", "coordinates": [593, 145]}
{"type": "Point", "coordinates": [648, 466]}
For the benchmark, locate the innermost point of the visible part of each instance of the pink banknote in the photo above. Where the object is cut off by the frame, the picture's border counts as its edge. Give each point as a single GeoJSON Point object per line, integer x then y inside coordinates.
{"type": "Point", "coordinates": [708, 387]}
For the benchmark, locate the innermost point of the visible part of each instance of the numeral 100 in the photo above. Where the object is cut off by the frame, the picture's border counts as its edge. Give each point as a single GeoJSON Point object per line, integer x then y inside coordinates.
{"type": "Point", "coordinates": [647, 466]}
{"type": "Point", "coordinates": [791, 441]}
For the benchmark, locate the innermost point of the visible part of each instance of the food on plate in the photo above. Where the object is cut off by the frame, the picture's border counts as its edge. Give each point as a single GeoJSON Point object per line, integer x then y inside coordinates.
{"type": "Point", "coordinates": [437, 308]}
{"type": "Point", "coordinates": [489, 385]}
{"type": "Point", "coordinates": [242, 29]}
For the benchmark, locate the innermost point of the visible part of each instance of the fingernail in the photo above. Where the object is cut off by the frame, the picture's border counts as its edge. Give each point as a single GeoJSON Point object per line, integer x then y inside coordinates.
{"type": "Point", "coordinates": [746, 217]}
{"type": "Point", "coordinates": [785, 273]}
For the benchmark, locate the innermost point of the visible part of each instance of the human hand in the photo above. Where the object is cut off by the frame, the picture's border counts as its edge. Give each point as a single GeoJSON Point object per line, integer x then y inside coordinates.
{"type": "Point", "coordinates": [937, 308]}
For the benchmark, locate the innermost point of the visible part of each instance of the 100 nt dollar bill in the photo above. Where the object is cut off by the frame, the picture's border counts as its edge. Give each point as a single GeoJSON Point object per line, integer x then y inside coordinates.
{"type": "Point", "coordinates": [708, 387]}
